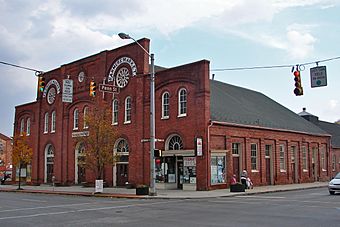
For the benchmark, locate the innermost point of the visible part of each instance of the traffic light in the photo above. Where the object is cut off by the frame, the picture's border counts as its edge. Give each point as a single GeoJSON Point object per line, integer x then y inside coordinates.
{"type": "Point", "coordinates": [157, 153]}
{"type": "Point", "coordinates": [298, 86]}
{"type": "Point", "coordinates": [93, 88]}
{"type": "Point", "coordinates": [41, 83]}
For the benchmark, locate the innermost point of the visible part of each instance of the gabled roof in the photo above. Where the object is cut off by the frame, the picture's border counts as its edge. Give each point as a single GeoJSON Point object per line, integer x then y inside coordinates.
{"type": "Point", "coordinates": [4, 137]}
{"type": "Point", "coordinates": [334, 130]}
{"type": "Point", "coordinates": [232, 104]}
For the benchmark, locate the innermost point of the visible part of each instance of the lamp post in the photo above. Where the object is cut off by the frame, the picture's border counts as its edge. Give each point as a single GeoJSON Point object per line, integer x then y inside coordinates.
{"type": "Point", "coordinates": [152, 191]}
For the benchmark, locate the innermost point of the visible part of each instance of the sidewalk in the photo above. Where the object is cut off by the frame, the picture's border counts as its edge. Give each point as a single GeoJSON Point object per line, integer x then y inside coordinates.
{"type": "Point", "coordinates": [161, 194]}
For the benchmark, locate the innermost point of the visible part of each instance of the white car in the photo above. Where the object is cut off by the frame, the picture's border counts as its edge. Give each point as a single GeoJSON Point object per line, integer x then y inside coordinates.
{"type": "Point", "coordinates": [334, 184]}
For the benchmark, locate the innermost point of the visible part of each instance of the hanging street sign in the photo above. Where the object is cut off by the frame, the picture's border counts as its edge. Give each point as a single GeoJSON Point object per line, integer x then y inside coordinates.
{"type": "Point", "coordinates": [67, 95]}
{"type": "Point", "coordinates": [318, 76]}
{"type": "Point", "coordinates": [108, 88]}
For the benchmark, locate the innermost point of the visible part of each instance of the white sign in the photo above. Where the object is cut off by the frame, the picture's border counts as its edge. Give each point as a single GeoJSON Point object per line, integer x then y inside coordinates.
{"type": "Point", "coordinates": [199, 144]}
{"type": "Point", "coordinates": [99, 186]}
{"type": "Point", "coordinates": [108, 88]}
{"type": "Point", "coordinates": [189, 161]}
{"type": "Point", "coordinates": [318, 76]}
{"type": "Point", "coordinates": [67, 91]}
{"type": "Point", "coordinates": [80, 134]}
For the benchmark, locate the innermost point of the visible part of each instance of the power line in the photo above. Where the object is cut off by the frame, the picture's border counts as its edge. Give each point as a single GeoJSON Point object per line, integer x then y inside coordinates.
{"type": "Point", "coordinates": [273, 66]}
{"type": "Point", "coordinates": [37, 72]}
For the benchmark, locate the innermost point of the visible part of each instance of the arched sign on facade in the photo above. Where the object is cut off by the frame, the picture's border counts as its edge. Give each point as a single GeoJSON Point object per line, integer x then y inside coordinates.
{"type": "Point", "coordinates": [120, 75]}
{"type": "Point", "coordinates": [55, 83]}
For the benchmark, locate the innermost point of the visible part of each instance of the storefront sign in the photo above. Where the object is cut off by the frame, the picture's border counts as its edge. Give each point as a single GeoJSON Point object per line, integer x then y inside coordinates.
{"type": "Point", "coordinates": [67, 95]}
{"type": "Point", "coordinates": [199, 147]}
{"type": "Point", "coordinates": [80, 134]}
{"type": "Point", "coordinates": [189, 161]}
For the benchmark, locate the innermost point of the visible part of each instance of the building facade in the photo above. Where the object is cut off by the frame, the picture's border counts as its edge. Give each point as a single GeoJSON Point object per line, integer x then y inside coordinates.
{"type": "Point", "coordinates": [201, 147]}
{"type": "Point", "coordinates": [5, 154]}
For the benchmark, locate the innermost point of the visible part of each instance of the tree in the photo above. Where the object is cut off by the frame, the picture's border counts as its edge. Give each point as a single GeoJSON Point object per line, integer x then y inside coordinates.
{"type": "Point", "coordinates": [22, 153]}
{"type": "Point", "coordinates": [99, 142]}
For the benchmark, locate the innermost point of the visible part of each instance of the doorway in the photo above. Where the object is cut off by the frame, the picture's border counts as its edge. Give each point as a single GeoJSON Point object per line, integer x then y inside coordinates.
{"type": "Point", "coordinates": [179, 172]}
{"type": "Point", "coordinates": [122, 174]}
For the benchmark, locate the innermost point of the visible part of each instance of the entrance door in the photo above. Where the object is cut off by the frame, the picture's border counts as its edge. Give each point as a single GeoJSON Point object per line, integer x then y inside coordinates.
{"type": "Point", "coordinates": [49, 172]}
{"type": "Point", "coordinates": [81, 174]}
{"type": "Point", "coordinates": [268, 171]}
{"type": "Point", "coordinates": [180, 173]}
{"type": "Point", "coordinates": [236, 166]}
{"type": "Point", "coordinates": [122, 174]}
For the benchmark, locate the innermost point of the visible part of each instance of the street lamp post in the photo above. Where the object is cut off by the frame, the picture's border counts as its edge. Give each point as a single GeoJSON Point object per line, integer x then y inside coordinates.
{"type": "Point", "coordinates": [152, 191]}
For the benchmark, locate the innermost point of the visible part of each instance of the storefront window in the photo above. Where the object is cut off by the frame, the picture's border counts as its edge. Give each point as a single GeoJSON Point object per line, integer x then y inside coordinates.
{"type": "Point", "coordinates": [189, 171]}
{"type": "Point", "coordinates": [217, 169]}
{"type": "Point", "coordinates": [165, 170]}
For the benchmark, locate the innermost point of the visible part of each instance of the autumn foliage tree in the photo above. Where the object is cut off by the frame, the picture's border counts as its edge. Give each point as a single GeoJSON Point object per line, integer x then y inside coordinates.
{"type": "Point", "coordinates": [99, 142]}
{"type": "Point", "coordinates": [22, 153]}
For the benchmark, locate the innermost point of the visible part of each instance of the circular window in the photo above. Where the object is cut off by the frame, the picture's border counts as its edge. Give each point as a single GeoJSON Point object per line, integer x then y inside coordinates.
{"type": "Point", "coordinates": [51, 95]}
{"type": "Point", "coordinates": [122, 77]}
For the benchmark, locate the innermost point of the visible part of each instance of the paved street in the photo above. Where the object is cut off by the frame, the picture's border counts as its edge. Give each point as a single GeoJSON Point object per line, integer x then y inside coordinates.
{"type": "Point", "coordinates": [310, 207]}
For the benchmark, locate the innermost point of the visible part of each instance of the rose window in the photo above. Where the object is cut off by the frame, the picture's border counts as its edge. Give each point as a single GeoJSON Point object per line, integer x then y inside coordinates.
{"type": "Point", "coordinates": [122, 77]}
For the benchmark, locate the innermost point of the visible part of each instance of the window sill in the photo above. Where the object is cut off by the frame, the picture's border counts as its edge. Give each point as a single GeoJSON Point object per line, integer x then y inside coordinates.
{"type": "Point", "coordinates": [255, 171]}
{"type": "Point", "coordinates": [283, 171]}
{"type": "Point", "coordinates": [116, 123]}
{"type": "Point", "coordinates": [305, 170]}
{"type": "Point", "coordinates": [164, 118]}
{"type": "Point", "coordinates": [75, 129]}
{"type": "Point", "coordinates": [127, 122]}
{"type": "Point", "coordinates": [182, 115]}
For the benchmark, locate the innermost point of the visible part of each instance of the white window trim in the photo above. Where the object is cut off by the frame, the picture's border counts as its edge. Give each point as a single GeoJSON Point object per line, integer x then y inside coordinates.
{"type": "Point", "coordinates": [28, 126]}
{"type": "Point", "coordinates": [126, 110]}
{"type": "Point", "coordinates": [85, 113]}
{"type": "Point", "coordinates": [163, 116]}
{"type": "Point", "coordinates": [22, 126]}
{"type": "Point", "coordinates": [46, 123]}
{"type": "Point", "coordinates": [179, 103]}
{"type": "Point", "coordinates": [75, 120]}
{"type": "Point", "coordinates": [114, 111]}
{"type": "Point", "coordinates": [284, 159]}
{"type": "Point", "coordinates": [53, 121]}
{"type": "Point", "coordinates": [256, 157]}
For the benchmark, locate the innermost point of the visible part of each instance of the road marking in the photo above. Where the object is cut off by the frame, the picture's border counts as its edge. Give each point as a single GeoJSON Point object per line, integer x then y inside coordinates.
{"type": "Point", "coordinates": [261, 197]}
{"type": "Point", "coordinates": [44, 207]}
{"type": "Point", "coordinates": [81, 210]}
{"type": "Point", "coordinates": [34, 200]}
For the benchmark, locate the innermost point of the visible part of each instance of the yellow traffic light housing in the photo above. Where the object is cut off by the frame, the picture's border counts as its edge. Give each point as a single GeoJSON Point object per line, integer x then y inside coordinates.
{"type": "Point", "coordinates": [93, 87]}
{"type": "Point", "coordinates": [298, 86]}
{"type": "Point", "coordinates": [41, 85]}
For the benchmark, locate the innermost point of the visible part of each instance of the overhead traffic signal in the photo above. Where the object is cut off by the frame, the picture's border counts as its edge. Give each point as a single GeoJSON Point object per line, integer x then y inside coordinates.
{"type": "Point", "coordinates": [93, 88]}
{"type": "Point", "coordinates": [298, 86]}
{"type": "Point", "coordinates": [41, 85]}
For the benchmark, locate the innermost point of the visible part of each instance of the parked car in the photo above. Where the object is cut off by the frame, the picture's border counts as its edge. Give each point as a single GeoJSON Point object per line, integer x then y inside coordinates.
{"type": "Point", "coordinates": [334, 184]}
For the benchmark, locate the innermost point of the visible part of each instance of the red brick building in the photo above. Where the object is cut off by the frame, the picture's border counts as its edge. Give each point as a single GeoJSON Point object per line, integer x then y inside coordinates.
{"type": "Point", "coordinates": [210, 129]}
{"type": "Point", "coordinates": [5, 155]}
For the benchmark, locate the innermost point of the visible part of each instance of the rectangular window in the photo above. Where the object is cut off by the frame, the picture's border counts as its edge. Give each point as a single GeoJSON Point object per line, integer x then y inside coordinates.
{"type": "Point", "coordinates": [217, 165]}
{"type": "Point", "coordinates": [323, 159]}
{"type": "Point", "coordinates": [282, 158]}
{"type": "Point", "coordinates": [268, 150]}
{"type": "Point", "coordinates": [304, 159]}
{"type": "Point", "coordinates": [235, 147]}
{"type": "Point", "coordinates": [333, 162]}
{"type": "Point", "coordinates": [22, 126]}
{"type": "Point", "coordinates": [128, 110]}
{"type": "Point", "coordinates": [292, 154]}
{"type": "Point", "coordinates": [46, 123]}
{"type": "Point", "coordinates": [115, 112]}
{"type": "Point", "coordinates": [182, 102]}
{"type": "Point", "coordinates": [253, 156]}
{"type": "Point", "coordinates": [165, 170]}
{"type": "Point", "coordinates": [28, 126]}
{"type": "Point", "coordinates": [53, 122]}
{"type": "Point", "coordinates": [165, 106]}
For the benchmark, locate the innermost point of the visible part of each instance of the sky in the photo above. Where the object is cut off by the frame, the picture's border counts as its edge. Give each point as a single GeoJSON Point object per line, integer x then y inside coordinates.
{"type": "Point", "coordinates": [45, 34]}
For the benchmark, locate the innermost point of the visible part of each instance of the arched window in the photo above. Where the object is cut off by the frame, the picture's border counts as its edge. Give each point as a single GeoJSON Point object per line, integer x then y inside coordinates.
{"type": "Point", "coordinates": [46, 123]}
{"type": "Point", "coordinates": [28, 126]}
{"type": "Point", "coordinates": [75, 119]}
{"type": "Point", "coordinates": [122, 150]}
{"type": "Point", "coordinates": [86, 111]}
{"type": "Point", "coordinates": [127, 110]}
{"type": "Point", "coordinates": [165, 105]}
{"type": "Point", "coordinates": [22, 126]}
{"type": "Point", "coordinates": [53, 120]}
{"type": "Point", "coordinates": [182, 102]}
{"type": "Point", "coordinates": [175, 143]}
{"type": "Point", "coordinates": [115, 112]}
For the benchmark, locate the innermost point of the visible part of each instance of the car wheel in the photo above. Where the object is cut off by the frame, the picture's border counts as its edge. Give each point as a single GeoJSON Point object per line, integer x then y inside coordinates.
{"type": "Point", "coordinates": [331, 192]}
